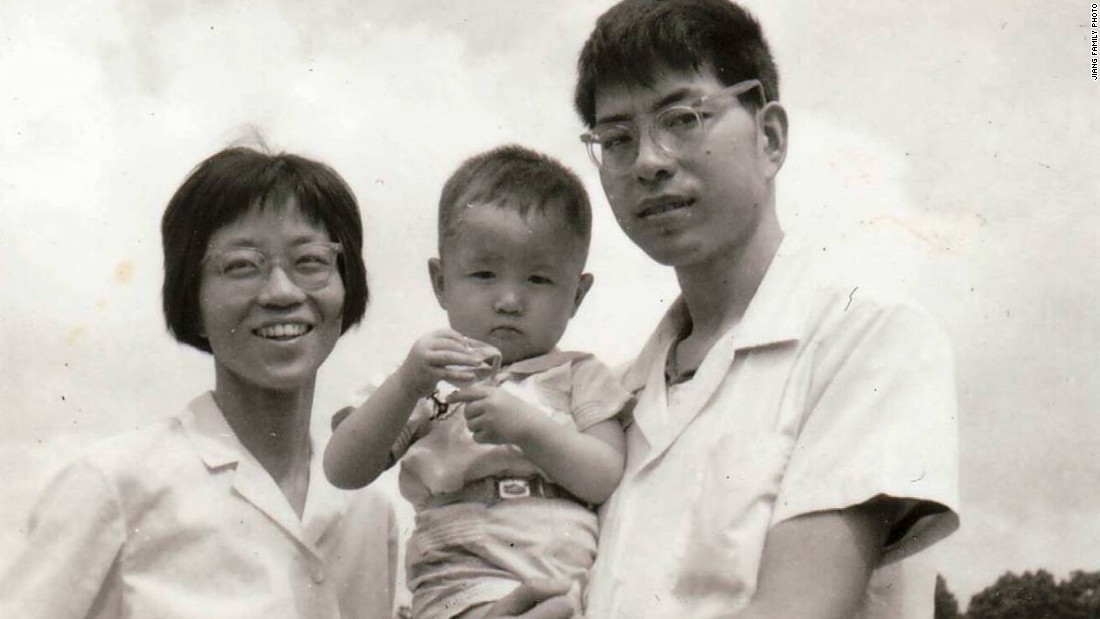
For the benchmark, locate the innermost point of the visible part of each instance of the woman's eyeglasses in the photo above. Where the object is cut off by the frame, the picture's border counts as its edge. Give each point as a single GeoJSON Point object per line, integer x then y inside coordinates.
{"type": "Point", "coordinates": [310, 266]}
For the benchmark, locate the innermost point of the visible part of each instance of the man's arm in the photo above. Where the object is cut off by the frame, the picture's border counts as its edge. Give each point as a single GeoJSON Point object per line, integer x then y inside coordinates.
{"type": "Point", "coordinates": [817, 566]}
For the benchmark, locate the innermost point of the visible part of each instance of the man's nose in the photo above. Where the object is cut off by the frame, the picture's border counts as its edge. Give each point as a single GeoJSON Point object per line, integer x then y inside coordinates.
{"type": "Point", "coordinates": [653, 161]}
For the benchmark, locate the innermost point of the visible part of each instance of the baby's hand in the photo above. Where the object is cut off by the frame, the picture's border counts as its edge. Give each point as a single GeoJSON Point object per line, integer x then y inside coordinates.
{"type": "Point", "coordinates": [441, 355]}
{"type": "Point", "coordinates": [487, 367]}
{"type": "Point", "coordinates": [495, 416]}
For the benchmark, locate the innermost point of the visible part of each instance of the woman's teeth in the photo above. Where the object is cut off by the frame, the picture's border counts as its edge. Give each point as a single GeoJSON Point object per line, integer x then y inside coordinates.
{"type": "Point", "coordinates": [282, 331]}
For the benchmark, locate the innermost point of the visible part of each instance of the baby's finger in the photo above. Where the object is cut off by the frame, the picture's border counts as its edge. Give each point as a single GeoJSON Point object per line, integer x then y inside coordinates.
{"type": "Point", "coordinates": [456, 375]}
{"type": "Point", "coordinates": [534, 600]}
{"type": "Point", "coordinates": [467, 394]}
{"type": "Point", "coordinates": [446, 358]}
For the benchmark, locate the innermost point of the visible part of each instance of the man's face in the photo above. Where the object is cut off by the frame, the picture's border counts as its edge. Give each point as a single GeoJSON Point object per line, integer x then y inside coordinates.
{"type": "Point", "coordinates": [703, 203]}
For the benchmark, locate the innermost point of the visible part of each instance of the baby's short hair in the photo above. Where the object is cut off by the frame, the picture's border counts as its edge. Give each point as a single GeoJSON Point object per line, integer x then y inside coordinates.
{"type": "Point", "coordinates": [636, 39]}
{"type": "Point", "coordinates": [519, 179]}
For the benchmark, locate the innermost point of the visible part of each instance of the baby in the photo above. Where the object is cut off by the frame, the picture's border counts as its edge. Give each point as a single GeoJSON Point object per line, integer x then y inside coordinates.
{"type": "Point", "coordinates": [506, 443]}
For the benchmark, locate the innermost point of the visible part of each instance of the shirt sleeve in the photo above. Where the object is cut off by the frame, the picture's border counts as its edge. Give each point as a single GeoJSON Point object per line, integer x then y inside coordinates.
{"type": "Point", "coordinates": [881, 422]}
{"type": "Point", "coordinates": [75, 534]}
{"type": "Point", "coordinates": [597, 395]}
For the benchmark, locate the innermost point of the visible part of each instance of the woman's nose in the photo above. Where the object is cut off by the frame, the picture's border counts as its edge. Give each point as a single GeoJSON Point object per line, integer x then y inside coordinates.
{"type": "Point", "coordinates": [280, 289]}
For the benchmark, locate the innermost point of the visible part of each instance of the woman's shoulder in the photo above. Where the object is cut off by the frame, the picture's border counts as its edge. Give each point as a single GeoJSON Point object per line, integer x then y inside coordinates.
{"type": "Point", "coordinates": [134, 450]}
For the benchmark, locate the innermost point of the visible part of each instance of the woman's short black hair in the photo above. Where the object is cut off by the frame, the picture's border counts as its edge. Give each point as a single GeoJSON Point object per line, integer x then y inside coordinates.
{"type": "Point", "coordinates": [223, 188]}
{"type": "Point", "coordinates": [636, 39]}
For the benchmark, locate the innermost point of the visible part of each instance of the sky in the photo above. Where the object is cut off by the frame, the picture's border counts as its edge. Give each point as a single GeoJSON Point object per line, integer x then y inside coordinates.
{"type": "Point", "coordinates": [954, 145]}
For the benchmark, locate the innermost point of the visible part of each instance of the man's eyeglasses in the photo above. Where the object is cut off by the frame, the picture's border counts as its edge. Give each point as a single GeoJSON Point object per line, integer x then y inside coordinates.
{"type": "Point", "coordinates": [675, 129]}
{"type": "Point", "coordinates": [309, 266]}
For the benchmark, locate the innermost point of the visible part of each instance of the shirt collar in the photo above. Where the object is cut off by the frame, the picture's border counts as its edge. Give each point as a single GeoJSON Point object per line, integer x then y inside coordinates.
{"type": "Point", "coordinates": [210, 433]}
{"type": "Point", "coordinates": [540, 363]}
{"type": "Point", "coordinates": [218, 446]}
{"type": "Point", "coordinates": [776, 314]}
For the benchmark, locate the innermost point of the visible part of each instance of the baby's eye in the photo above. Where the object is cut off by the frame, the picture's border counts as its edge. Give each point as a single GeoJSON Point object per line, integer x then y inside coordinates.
{"type": "Point", "coordinates": [540, 280]}
{"type": "Point", "coordinates": [483, 275]}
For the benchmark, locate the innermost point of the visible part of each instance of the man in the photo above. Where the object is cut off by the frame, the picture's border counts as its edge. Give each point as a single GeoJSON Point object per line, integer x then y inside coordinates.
{"type": "Point", "coordinates": [794, 435]}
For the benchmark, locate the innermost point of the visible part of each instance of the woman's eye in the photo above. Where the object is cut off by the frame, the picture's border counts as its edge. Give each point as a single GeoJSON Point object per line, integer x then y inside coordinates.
{"type": "Point", "coordinates": [312, 262]}
{"type": "Point", "coordinates": [241, 267]}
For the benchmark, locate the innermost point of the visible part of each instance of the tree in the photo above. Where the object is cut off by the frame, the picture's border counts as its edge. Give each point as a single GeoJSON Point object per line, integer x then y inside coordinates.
{"type": "Point", "coordinates": [1081, 594]}
{"type": "Point", "coordinates": [1027, 596]}
{"type": "Point", "coordinates": [947, 607]}
{"type": "Point", "coordinates": [1035, 596]}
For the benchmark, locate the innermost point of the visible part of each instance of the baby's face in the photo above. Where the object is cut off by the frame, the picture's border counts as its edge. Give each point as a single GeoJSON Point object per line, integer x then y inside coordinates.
{"type": "Point", "coordinates": [510, 281]}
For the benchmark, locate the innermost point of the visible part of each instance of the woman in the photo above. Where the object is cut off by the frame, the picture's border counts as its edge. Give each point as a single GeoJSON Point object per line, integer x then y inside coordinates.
{"type": "Point", "coordinates": [222, 510]}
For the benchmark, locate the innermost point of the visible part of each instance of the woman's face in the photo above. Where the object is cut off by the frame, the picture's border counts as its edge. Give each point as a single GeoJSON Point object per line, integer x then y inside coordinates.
{"type": "Point", "coordinates": [270, 327]}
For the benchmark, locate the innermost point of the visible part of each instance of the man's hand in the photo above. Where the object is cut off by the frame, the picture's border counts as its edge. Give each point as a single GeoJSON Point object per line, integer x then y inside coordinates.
{"type": "Point", "coordinates": [495, 416]}
{"type": "Point", "coordinates": [535, 599]}
{"type": "Point", "coordinates": [443, 355]}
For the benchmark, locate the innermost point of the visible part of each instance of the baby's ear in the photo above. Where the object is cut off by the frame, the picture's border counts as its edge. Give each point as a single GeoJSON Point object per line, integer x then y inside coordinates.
{"type": "Point", "coordinates": [583, 286]}
{"type": "Point", "coordinates": [435, 272]}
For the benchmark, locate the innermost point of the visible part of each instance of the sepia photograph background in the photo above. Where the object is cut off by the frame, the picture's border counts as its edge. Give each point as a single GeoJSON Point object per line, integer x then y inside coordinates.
{"type": "Point", "coordinates": [951, 148]}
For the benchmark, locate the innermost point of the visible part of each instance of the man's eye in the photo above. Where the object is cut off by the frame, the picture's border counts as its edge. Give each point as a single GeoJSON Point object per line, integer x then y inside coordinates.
{"type": "Point", "coordinates": [616, 140]}
{"type": "Point", "coordinates": [680, 119]}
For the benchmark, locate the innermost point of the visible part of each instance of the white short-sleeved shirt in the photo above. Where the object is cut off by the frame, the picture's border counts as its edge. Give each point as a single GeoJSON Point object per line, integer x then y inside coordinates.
{"type": "Point", "coordinates": [823, 397]}
{"type": "Point", "coordinates": [179, 521]}
{"type": "Point", "coordinates": [438, 453]}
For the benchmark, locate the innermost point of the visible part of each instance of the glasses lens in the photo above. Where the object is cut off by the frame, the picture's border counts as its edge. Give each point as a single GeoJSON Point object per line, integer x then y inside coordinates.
{"type": "Point", "coordinates": [241, 265]}
{"type": "Point", "coordinates": [613, 147]}
{"type": "Point", "coordinates": [678, 128]}
{"type": "Point", "coordinates": [313, 265]}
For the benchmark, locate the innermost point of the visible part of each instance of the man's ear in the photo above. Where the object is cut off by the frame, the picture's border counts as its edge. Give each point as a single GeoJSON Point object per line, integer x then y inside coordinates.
{"type": "Point", "coordinates": [435, 272]}
{"type": "Point", "coordinates": [773, 126]}
{"type": "Point", "coordinates": [583, 286]}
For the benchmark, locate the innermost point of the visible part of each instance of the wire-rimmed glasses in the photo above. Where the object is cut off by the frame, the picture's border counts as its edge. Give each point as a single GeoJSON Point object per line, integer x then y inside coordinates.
{"type": "Point", "coordinates": [675, 130]}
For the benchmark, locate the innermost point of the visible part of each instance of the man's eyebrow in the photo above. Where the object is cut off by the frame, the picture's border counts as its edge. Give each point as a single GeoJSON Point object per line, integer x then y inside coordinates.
{"type": "Point", "coordinates": [675, 96]}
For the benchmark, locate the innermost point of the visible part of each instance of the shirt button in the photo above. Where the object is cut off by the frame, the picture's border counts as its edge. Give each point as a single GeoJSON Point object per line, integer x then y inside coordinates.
{"type": "Point", "coordinates": [318, 574]}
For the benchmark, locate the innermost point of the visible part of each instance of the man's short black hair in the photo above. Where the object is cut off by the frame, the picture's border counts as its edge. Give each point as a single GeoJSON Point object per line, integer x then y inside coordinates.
{"type": "Point", "coordinates": [226, 186]}
{"type": "Point", "coordinates": [637, 39]}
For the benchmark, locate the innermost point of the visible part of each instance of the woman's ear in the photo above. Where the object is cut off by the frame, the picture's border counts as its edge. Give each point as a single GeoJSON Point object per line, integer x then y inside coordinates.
{"type": "Point", "coordinates": [435, 272]}
{"type": "Point", "coordinates": [773, 127]}
{"type": "Point", "coordinates": [583, 286]}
